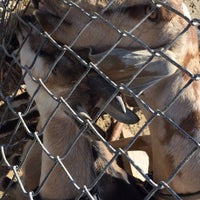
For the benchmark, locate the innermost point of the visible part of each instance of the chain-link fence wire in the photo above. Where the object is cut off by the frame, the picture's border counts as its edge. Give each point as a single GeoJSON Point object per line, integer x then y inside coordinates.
{"type": "Point", "coordinates": [20, 117]}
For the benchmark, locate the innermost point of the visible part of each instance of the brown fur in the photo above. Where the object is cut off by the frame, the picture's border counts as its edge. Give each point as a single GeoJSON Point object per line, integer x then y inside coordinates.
{"type": "Point", "coordinates": [169, 147]}
{"type": "Point", "coordinates": [165, 138]}
{"type": "Point", "coordinates": [52, 70]}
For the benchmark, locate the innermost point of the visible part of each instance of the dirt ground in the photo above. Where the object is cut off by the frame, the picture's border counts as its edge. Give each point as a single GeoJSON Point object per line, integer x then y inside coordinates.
{"type": "Point", "coordinates": [194, 7]}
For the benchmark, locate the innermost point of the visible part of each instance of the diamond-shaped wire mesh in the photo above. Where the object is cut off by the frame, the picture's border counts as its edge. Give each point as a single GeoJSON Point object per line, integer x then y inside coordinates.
{"type": "Point", "coordinates": [68, 69]}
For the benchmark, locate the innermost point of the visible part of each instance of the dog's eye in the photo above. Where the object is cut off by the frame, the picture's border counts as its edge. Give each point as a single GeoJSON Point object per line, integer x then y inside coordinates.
{"type": "Point", "coordinates": [154, 13]}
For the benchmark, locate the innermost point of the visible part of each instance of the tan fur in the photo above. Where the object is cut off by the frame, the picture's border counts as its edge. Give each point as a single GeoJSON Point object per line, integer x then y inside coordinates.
{"type": "Point", "coordinates": [169, 147]}
{"type": "Point", "coordinates": [58, 128]}
{"type": "Point", "coordinates": [58, 134]}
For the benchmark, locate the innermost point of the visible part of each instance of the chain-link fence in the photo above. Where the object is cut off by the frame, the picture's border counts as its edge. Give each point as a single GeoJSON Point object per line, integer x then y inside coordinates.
{"type": "Point", "coordinates": [79, 62]}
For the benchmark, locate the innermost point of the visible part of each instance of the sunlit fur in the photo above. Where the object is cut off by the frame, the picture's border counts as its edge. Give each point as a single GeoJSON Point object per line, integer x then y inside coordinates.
{"type": "Point", "coordinates": [59, 129]}
{"type": "Point", "coordinates": [169, 147]}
